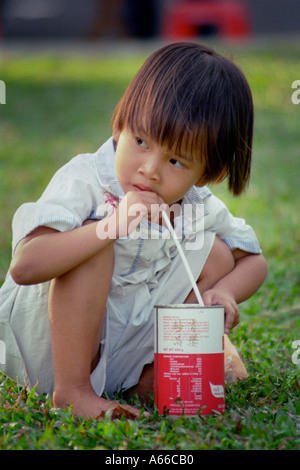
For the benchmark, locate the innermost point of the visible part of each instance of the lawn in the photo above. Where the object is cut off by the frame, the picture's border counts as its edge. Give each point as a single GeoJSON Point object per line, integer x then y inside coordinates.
{"type": "Point", "coordinates": [58, 106]}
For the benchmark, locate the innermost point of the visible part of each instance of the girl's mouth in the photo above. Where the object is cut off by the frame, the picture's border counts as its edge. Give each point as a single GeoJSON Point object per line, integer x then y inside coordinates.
{"type": "Point", "coordinates": [141, 187]}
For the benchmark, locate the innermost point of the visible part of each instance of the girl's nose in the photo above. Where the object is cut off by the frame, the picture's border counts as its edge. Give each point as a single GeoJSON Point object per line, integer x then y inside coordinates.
{"type": "Point", "coordinates": [150, 167]}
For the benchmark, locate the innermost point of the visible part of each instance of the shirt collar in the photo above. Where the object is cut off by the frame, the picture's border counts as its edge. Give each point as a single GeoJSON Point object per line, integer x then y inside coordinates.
{"type": "Point", "coordinates": [105, 164]}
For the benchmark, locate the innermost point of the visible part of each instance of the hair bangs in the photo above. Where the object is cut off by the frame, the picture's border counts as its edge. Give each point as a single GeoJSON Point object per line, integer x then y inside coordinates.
{"type": "Point", "coordinates": [160, 115]}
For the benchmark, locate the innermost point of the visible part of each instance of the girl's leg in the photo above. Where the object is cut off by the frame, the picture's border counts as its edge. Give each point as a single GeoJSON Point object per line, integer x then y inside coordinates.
{"type": "Point", "coordinates": [77, 305]}
{"type": "Point", "coordinates": [219, 263]}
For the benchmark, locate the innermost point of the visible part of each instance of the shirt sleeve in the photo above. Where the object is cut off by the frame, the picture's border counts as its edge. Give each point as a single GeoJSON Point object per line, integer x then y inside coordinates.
{"type": "Point", "coordinates": [72, 196]}
{"type": "Point", "coordinates": [232, 230]}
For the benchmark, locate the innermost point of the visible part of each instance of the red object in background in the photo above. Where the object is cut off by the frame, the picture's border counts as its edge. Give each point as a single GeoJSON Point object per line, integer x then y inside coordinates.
{"type": "Point", "coordinates": [184, 19]}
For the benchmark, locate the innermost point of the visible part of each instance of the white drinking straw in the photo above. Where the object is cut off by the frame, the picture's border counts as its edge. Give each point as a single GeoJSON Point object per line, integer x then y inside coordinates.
{"type": "Point", "coordinates": [188, 269]}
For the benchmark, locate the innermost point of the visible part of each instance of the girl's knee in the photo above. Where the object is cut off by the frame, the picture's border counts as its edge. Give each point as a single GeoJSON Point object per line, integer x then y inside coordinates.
{"type": "Point", "coordinates": [219, 262]}
{"type": "Point", "coordinates": [106, 252]}
{"type": "Point", "coordinates": [222, 257]}
{"type": "Point", "coordinates": [88, 273]}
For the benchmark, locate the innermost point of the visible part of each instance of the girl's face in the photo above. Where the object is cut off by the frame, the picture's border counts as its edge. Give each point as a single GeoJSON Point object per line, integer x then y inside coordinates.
{"type": "Point", "coordinates": [143, 165]}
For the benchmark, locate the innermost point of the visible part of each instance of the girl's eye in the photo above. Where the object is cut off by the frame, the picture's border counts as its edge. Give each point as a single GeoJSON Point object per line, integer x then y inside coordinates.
{"type": "Point", "coordinates": [141, 143]}
{"type": "Point", "coordinates": [176, 163]}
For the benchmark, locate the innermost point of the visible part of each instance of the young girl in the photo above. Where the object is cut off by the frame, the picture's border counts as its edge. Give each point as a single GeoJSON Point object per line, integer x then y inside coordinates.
{"type": "Point", "coordinates": [87, 269]}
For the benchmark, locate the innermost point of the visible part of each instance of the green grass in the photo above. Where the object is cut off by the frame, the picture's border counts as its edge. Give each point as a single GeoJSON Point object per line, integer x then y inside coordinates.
{"type": "Point", "coordinates": [58, 107]}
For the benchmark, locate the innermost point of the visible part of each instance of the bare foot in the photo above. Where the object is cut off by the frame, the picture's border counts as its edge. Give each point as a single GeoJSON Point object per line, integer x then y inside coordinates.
{"type": "Point", "coordinates": [234, 366]}
{"type": "Point", "coordinates": [87, 404]}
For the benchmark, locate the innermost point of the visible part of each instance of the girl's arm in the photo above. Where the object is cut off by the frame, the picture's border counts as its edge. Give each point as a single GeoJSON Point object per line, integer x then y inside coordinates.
{"type": "Point", "coordinates": [240, 284]}
{"type": "Point", "coordinates": [47, 253]}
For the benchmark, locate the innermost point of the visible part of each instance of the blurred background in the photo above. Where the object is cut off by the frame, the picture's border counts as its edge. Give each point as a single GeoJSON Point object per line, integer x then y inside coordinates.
{"type": "Point", "coordinates": [170, 19]}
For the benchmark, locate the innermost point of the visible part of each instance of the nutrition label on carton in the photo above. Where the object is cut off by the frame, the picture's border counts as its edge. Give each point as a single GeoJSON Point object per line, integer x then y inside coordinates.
{"type": "Point", "coordinates": [189, 361]}
{"type": "Point", "coordinates": [177, 369]}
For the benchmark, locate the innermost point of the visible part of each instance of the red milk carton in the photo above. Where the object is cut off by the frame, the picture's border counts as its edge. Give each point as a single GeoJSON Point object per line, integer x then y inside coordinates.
{"type": "Point", "coordinates": [189, 359]}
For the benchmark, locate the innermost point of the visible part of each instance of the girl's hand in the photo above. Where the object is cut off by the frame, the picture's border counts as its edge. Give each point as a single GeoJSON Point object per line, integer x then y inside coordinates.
{"type": "Point", "coordinates": [135, 206]}
{"type": "Point", "coordinates": [219, 297]}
